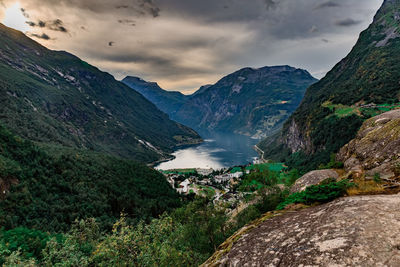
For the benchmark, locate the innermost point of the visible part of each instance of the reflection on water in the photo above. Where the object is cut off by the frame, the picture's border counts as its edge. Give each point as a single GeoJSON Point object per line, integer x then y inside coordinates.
{"type": "Point", "coordinates": [217, 151]}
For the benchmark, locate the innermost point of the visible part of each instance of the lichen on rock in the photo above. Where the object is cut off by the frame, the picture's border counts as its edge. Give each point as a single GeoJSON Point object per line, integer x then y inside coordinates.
{"type": "Point", "coordinates": [376, 148]}
{"type": "Point", "coordinates": [352, 231]}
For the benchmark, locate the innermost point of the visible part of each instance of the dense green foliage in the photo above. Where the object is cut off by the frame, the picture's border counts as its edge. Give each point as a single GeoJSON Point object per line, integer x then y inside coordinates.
{"type": "Point", "coordinates": [29, 243]}
{"type": "Point", "coordinates": [54, 97]}
{"type": "Point", "coordinates": [317, 193]}
{"type": "Point", "coordinates": [333, 109]}
{"type": "Point", "coordinates": [258, 180]}
{"type": "Point", "coordinates": [185, 237]}
{"type": "Point", "coordinates": [50, 192]}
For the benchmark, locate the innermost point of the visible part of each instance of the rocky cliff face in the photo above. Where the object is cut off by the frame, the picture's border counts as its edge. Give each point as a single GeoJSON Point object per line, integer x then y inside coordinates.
{"type": "Point", "coordinates": [358, 87]}
{"type": "Point", "coordinates": [251, 102]}
{"type": "Point", "coordinates": [354, 231]}
{"type": "Point", "coordinates": [376, 148]}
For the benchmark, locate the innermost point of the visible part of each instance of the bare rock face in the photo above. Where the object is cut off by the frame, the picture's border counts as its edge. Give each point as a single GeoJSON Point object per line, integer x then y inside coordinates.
{"type": "Point", "coordinates": [353, 231]}
{"type": "Point", "coordinates": [376, 149]}
{"type": "Point", "coordinates": [294, 139]}
{"type": "Point", "coordinates": [313, 178]}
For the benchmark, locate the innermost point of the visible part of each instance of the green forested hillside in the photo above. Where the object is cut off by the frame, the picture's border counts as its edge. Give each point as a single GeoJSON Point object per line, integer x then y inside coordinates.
{"type": "Point", "coordinates": [48, 193]}
{"type": "Point", "coordinates": [54, 97]}
{"type": "Point", "coordinates": [363, 84]}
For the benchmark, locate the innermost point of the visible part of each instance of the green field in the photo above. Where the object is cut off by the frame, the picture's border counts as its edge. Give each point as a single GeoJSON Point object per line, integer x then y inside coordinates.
{"type": "Point", "coordinates": [276, 167]}
{"type": "Point", "coordinates": [344, 111]}
{"type": "Point", "coordinates": [236, 169]}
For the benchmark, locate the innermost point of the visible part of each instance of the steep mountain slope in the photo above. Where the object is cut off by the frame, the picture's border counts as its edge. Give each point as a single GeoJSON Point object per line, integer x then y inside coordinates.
{"type": "Point", "coordinates": [47, 192]}
{"type": "Point", "coordinates": [363, 84]}
{"type": "Point", "coordinates": [252, 102]}
{"type": "Point", "coordinates": [54, 97]}
{"type": "Point", "coordinates": [166, 101]}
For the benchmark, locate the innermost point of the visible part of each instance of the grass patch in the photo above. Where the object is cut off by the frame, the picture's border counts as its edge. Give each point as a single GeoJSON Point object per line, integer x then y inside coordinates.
{"type": "Point", "coordinates": [363, 187]}
{"type": "Point", "coordinates": [275, 167]}
{"type": "Point", "coordinates": [371, 111]}
{"type": "Point", "coordinates": [236, 169]}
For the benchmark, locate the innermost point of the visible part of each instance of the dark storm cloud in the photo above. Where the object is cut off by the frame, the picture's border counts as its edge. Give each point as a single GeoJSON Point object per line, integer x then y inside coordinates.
{"type": "Point", "coordinates": [41, 36]}
{"type": "Point", "coordinates": [121, 6]}
{"type": "Point", "coordinates": [128, 22]}
{"type": "Point", "coordinates": [26, 15]}
{"type": "Point", "coordinates": [141, 57]}
{"type": "Point", "coordinates": [139, 7]}
{"type": "Point", "coordinates": [347, 22]}
{"type": "Point", "coordinates": [54, 25]}
{"type": "Point", "coordinates": [164, 64]}
{"type": "Point", "coordinates": [270, 4]}
{"type": "Point", "coordinates": [187, 43]}
{"type": "Point", "coordinates": [327, 4]}
{"type": "Point", "coordinates": [150, 7]}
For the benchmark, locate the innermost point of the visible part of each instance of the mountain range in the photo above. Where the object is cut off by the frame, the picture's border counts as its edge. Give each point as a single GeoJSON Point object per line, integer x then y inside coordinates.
{"type": "Point", "coordinates": [55, 98]}
{"type": "Point", "coordinates": [251, 102]}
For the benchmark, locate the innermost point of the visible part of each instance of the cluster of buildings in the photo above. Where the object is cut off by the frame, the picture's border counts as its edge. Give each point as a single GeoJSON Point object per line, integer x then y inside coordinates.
{"type": "Point", "coordinates": [226, 177]}
{"type": "Point", "coordinates": [193, 182]}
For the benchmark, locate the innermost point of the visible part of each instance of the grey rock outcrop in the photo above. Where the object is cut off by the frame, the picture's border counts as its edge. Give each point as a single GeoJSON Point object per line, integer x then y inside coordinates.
{"type": "Point", "coordinates": [313, 178]}
{"type": "Point", "coordinates": [354, 231]}
{"type": "Point", "coordinates": [376, 149]}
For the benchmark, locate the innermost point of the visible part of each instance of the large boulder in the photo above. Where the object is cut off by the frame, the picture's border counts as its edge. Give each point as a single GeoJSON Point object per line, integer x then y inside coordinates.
{"type": "Point", "coordinates": [354, 231]}
{"type": "Point", "coordinates": [313, 178]}
{"type": "Point", "coordinates": [376, 148]}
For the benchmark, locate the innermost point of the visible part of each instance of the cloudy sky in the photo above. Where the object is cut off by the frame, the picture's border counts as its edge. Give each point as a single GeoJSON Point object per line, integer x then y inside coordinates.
{"type": "Point", "coordinates": [183, 44]}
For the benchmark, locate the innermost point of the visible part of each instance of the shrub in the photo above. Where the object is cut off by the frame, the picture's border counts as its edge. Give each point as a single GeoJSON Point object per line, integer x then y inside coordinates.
{"type": "Point", "coordinates": [377, 178]}
{"type": "Point", "coordinates": [332, 164]}
{"type": "Point", "coordinates": [317, 193]}
{"type": "Point", "coordinates": [22, 242]}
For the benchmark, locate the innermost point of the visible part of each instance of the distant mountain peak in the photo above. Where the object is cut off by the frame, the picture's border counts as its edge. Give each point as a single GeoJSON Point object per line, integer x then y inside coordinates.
{"type": "Point", "coordinates": [167, 101]}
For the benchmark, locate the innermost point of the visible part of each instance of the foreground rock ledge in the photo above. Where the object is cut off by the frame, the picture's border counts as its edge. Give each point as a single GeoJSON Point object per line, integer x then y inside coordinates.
{"type": "Point", "coordinates": [353, 231]}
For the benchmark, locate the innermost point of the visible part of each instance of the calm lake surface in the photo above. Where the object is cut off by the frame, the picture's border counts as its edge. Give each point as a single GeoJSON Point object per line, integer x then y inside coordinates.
{"type": "Point", "coordinates": [217, 151]}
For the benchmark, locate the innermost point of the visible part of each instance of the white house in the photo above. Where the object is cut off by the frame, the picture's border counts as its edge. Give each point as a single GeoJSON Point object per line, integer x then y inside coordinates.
{"type": "Point", "coordinates": [184, 187]}
{"type": "Point", "coordinates": [204, 172]}
{"type": "Point", "coordinates": [236, 175]}
{"type": "Point", "coordinates": [222, 178]}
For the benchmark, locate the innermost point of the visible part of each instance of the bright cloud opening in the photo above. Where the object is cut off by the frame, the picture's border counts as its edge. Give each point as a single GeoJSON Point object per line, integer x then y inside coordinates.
{"type": "Point", "coordinates": [14, 18]}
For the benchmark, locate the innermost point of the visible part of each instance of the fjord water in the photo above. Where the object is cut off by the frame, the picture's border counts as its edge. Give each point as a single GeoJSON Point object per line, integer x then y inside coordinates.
{"type": "Point", "coordinates": [217, 151]}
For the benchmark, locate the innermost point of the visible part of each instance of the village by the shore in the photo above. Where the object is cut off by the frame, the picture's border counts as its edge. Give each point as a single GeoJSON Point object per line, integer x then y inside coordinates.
{"type": "Point", "coordinates": [219, 185]}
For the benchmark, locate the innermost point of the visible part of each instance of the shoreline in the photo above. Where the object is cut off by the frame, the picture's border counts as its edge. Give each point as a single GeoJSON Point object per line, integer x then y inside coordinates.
{"type": "Point", "coordinates": [172, 157]}
{"type": "Point", "coordinates": [260, 152]}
